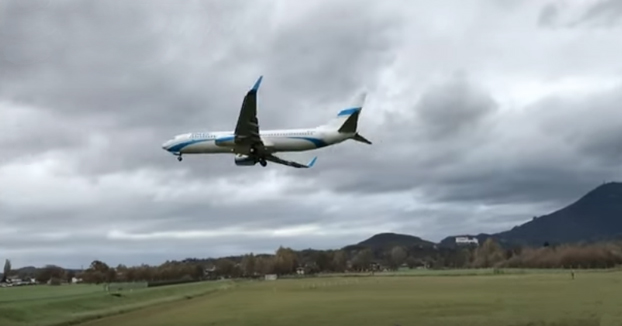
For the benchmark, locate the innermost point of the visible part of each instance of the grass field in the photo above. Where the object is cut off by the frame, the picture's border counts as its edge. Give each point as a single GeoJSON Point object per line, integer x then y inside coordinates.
{"type": "Point", "coordinates": [593, 298]}
{"type": "Point", "coordinates": [472, 272]}
{"type": "Point", "coordinates": [515, 297]}
{"type": "Point", "coordinates": [57, 305]}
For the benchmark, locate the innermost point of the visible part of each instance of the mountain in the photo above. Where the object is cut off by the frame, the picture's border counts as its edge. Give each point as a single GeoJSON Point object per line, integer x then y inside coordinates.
{"type": "Point", "coordinates": [593, 217]}
{"type": "Point", "coordinates": [386, 241]}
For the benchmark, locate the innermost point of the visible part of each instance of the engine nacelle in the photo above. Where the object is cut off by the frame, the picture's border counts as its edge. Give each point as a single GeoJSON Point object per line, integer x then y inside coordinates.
{"type": "Point", "coordinates": [243, 160]}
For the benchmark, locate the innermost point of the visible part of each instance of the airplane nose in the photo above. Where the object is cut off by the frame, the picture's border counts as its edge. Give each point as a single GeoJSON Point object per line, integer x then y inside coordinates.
{"type": "Point", "coordinates": [165, 145]}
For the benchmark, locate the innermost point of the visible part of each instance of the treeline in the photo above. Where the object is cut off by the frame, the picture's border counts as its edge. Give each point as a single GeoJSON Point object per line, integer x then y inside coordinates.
{"type": "Point", "coordinates": [360, 259]}
{"type": "Point", "coordinates": [598, 255]}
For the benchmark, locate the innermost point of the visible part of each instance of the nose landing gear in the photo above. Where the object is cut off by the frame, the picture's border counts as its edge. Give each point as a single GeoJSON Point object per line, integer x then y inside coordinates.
{"type": "Point", "coordinates": [263, 162]}
{"type": "Point", "coordinates": [179, 158]}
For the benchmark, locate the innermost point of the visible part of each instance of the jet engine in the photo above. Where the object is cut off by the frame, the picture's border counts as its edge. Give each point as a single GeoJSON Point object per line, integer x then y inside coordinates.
{"type": "Point", "coordinates": [243, 160]}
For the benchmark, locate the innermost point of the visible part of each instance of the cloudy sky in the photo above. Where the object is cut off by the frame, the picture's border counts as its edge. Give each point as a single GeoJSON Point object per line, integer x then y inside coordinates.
{"type": "Point", "coordinates": [482, 113]}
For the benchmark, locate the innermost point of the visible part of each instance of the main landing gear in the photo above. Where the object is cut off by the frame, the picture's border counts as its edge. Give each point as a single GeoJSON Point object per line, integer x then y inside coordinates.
{"type": "Point", "coordinates": [261, 160]}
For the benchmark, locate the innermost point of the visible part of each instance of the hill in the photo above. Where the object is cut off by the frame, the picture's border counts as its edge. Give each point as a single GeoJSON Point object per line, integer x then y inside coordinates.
{"type": "Point", "coordinates": [595, 216]}
{"type": "Point", "coordinates": [386, 241]}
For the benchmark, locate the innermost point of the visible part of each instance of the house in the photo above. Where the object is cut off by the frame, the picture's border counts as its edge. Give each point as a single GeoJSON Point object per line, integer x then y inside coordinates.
{"type": "Point", "coordinates": [14, 279]}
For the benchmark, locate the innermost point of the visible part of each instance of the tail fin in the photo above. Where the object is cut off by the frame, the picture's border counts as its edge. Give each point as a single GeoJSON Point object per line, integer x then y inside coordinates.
{"type": "Point", "coordinates": [347, 119]}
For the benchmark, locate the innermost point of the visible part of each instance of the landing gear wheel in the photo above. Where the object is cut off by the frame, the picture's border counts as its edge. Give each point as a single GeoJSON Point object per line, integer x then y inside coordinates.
{"type": "Point", "coordinates": [263, 163]}
{"type": "Point", "coordinates": [179, 158]}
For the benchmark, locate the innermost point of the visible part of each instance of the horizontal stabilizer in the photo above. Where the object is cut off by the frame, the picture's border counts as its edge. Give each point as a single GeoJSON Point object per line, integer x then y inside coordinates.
{"type": "Point", "coordinates": [361, 139]}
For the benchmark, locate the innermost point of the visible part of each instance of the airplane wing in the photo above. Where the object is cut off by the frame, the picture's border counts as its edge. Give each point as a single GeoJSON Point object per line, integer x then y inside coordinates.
{"type": "Point", "coordinates": [275, 159]}
{"type": "Point", "coordinates": [246, 132]}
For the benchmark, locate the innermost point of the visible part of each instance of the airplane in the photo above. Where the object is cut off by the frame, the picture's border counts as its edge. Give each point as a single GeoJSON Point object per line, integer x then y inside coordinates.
{"type": "Point", "coordinates": [251, 146]}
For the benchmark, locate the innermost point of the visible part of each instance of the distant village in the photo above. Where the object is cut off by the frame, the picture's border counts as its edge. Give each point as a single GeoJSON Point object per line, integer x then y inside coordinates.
{"type": "Point", "coordinates": [16, 281]}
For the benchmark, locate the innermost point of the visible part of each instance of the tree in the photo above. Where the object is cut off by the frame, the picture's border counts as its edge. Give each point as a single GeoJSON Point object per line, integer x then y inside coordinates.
{"type": "Point", "coordinates": [286, 261]}
{"type": "Point", "coordinates": [70, 275]}
{"type": "Point", "coordinates": [412, 262]}
{"type": "Point", "coordinates": [340, 261]}
{"type": "Point", "coordinates": [264, 265]}
{"type": "Point", "coordinates": [324, 261]}
{"type": "Point", "coordinates": [198, 271]}
{"type": "Point", "coordinates": [248, 265]}
{"type": "Point", "coordinates": [398, 256]}
{"type": "Point", "coordinates": [362, 260]}
{"type": "Point", "coordinates": [225, 267]}
{"type": "Point", "coordinates": [99, 266]}
{"type": "Point", "coordinates": [489, 254]}
{"type": "Point", "coordinates": [49, 273]}
{"type": "Point", "coordinates": [7, 270]}
{"type": "Point", "coordinates": [99, 272]}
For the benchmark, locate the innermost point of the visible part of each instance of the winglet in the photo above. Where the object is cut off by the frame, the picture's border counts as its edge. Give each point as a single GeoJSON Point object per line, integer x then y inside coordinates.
{"type": "Point", "coordinates": [312, 162]}
{"type": "Point", "coordinates": [257, 83]}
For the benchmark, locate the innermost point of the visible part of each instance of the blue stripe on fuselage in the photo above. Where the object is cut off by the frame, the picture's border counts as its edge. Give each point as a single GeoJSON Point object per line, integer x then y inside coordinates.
{"type": "Point", "coordinates": [177, 148]}
{"type": "Point", "coordinates": [317, 142]}
{"type": "Point", "coordinates": [223, 139]}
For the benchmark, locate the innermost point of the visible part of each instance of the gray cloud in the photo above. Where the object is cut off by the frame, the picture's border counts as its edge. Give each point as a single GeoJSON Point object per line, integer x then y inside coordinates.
{"type": "Point", "coordinates": [603, 13]}
{"type": "Point", "coordinates": [451, 109]}
{"type": "Point", "coordinates": [475, 129]}
{"type": "Point", "coordinates": [548, 15]}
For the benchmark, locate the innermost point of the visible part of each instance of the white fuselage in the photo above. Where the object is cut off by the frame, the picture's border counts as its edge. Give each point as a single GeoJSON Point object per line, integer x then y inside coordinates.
{"type": "Point", "coordinates": [292, 140]}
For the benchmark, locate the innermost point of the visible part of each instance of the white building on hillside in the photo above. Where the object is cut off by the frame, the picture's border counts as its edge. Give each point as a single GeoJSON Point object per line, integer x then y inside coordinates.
{"type": "Point", "coordinates": [467, 240]}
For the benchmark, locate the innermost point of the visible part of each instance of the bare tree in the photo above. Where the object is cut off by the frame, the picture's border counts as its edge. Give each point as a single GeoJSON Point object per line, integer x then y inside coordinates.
{"type": "Point", "coordinates": [398, 256]}
{"type": "Point", "coordinates": [248, 265]}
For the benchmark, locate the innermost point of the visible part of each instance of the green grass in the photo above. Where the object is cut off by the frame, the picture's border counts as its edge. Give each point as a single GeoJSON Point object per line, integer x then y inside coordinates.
{"type": "Point", "coordinates": [469, 272]}
{"type": "Point", "coordinates": [44, 292]}
{"type": "Point", "coordinates": [61, 305]}
{"type": "Point", "coordinates": [510, 299]}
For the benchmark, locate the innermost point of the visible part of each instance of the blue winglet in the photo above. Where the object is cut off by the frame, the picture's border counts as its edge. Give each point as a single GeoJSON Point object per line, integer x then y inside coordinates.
{"type": "Point", "coordinates": [312, 162]}
{"type": "Point", "coordinates": [257, 83]}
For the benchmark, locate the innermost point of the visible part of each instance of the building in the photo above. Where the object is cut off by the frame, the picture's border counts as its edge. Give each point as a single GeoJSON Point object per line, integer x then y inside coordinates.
{"type": "Point", "coordinates": [466, 241]}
